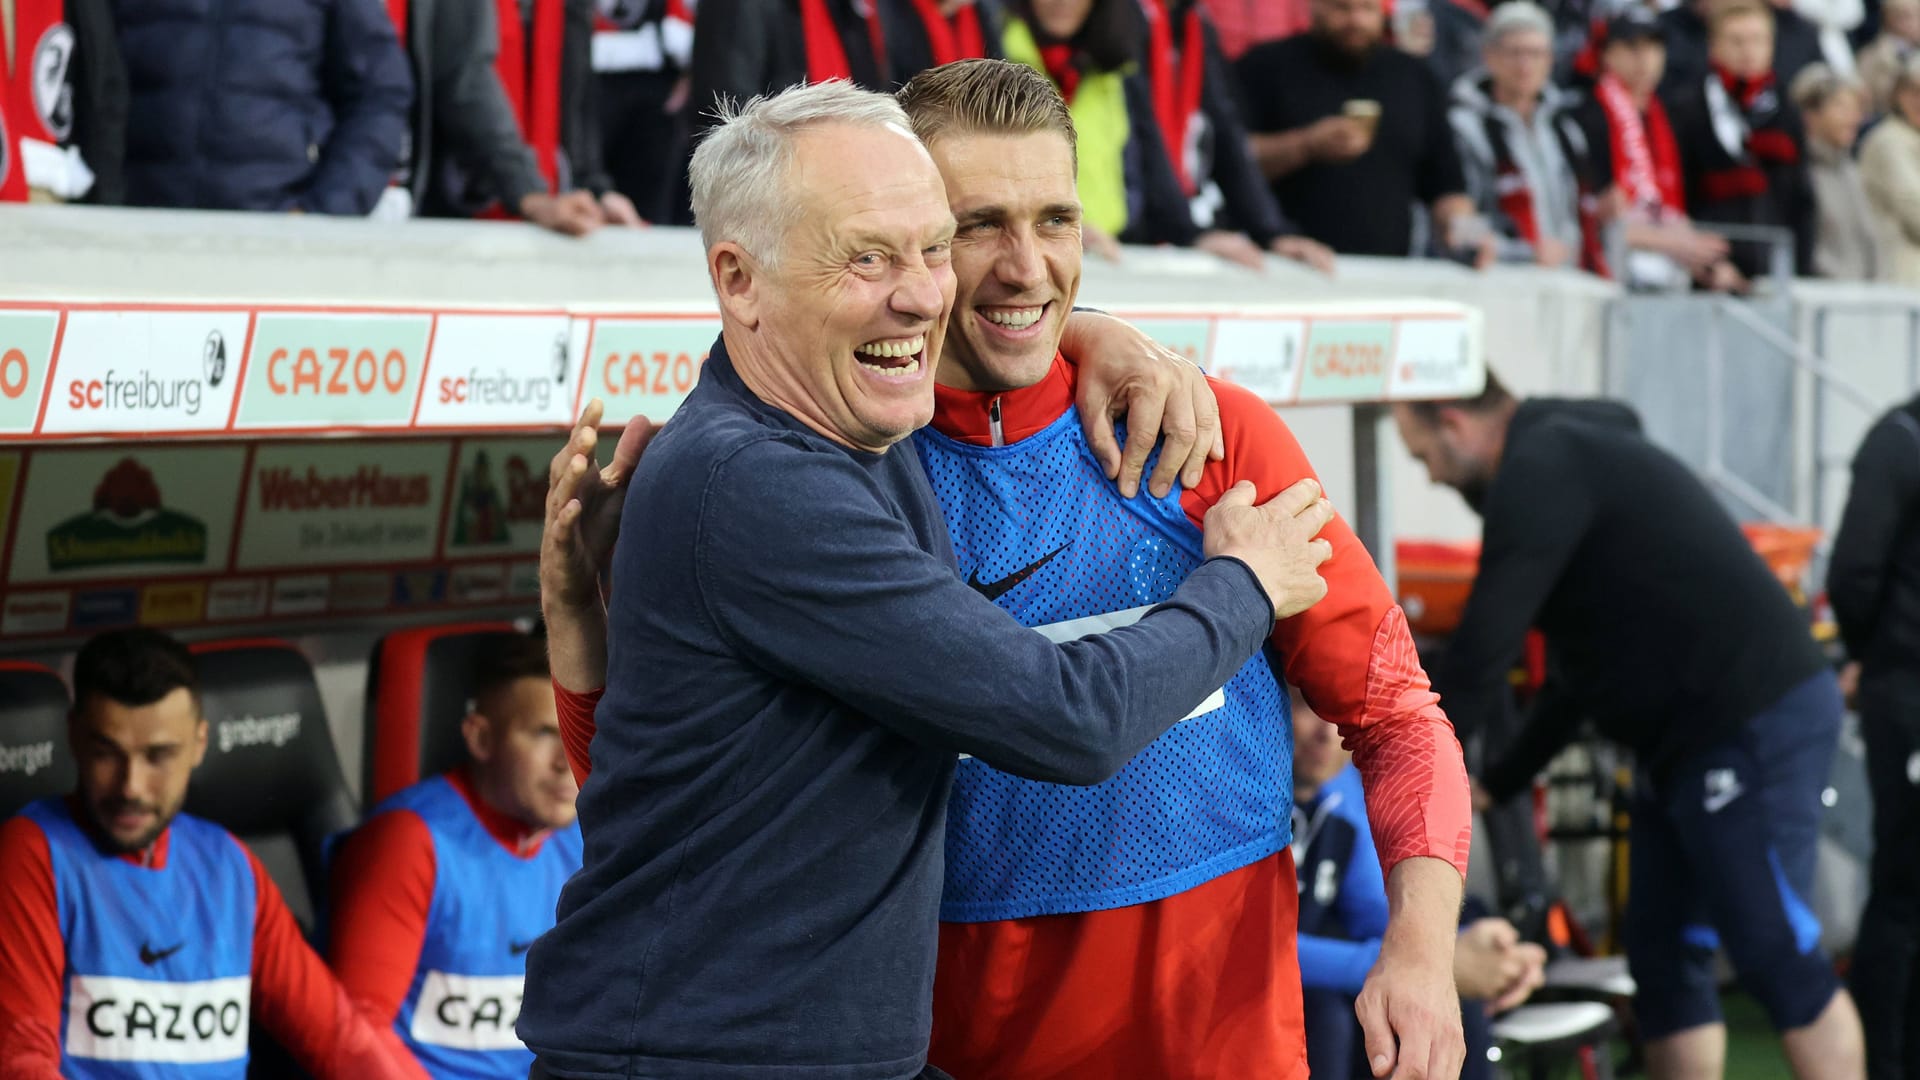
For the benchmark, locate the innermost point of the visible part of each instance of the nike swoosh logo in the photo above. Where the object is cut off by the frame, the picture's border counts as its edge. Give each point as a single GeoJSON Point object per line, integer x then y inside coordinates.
{"type": "Point", "coordinates": [994, 590]}
{"type": "Point", "coordinates": [148, 956]}
{"type": "Point", "coordinates": [519, 948]}
{"type": "Point", "coordinates": [1718, 801]}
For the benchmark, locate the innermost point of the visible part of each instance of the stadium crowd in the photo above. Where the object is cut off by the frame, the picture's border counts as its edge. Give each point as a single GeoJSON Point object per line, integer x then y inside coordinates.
{"type": "Point", "coordinates": [1671, 149]}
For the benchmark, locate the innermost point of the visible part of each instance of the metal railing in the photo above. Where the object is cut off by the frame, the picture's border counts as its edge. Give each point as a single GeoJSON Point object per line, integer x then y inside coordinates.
{"type": "Point", "coordinates": [1824, 386]}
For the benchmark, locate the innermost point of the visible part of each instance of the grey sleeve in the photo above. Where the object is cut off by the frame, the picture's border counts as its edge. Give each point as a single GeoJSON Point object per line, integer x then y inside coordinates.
{"type": "Point", "coordinates": [472, 116]}
{"type": "Point", "coordinates": [848, 603]}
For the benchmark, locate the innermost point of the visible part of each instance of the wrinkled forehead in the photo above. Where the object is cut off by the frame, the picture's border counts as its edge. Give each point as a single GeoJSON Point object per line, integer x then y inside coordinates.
{"type": "Point", "coordinates": [870, 183]}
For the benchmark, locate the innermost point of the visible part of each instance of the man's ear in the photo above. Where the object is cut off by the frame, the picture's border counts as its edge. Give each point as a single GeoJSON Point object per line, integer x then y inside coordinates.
{"type": "Point", "coordinates": [199, 742]}
{"type": "Point", "coordinates": [736, 279]}
{"type": "Point", "coordinates": [477, 730]}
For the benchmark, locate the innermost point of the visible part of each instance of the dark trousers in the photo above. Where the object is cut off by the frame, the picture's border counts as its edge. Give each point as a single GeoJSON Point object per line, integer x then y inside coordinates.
{"type": "Point", "coordinates": [644, 145]}
{"type": "Point", "coordinates": [1885, 983]}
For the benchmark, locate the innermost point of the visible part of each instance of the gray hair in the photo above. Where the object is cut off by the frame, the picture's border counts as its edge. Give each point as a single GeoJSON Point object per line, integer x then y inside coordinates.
{"type": "Point", "coordinates": [739, 173]}
{"type": "Point", "coordinates": [1817, 84]}
{"type": "Point", "coordinates": [1516, 16]}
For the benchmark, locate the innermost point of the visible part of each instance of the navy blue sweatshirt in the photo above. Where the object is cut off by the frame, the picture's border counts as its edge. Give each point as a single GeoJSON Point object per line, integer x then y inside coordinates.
{"type": "Point", "coordinates": [1669, 630]}
{"type": "Point", "coordinates": [794, 664]}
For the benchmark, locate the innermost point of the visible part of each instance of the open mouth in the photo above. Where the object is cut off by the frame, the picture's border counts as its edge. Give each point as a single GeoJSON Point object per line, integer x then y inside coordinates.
{"type": "Point", "coordinates": [1013, 322]}
{"type": "Point", "coordinates": [896, 358]}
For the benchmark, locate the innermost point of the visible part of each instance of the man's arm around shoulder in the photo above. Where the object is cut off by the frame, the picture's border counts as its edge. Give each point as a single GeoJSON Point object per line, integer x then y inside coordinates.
{"type": "Point", "coordinates": [849, 602]}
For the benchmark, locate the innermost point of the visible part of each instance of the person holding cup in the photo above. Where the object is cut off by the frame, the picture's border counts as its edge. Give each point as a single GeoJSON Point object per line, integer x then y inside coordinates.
{"type": "Point", "coordinates": [1340, 118]}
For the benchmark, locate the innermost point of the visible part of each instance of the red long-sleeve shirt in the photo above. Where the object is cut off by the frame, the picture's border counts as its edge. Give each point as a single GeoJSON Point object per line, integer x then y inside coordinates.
{"type": "Point", "coordinates": [295, 998]}
{"type": "Point", "coordinates": [1145, 989]}
{"type": "Point", "coordinates": [381, 890]}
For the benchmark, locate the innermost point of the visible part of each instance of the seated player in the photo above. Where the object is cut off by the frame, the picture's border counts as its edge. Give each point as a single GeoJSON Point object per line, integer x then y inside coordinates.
{"type": "Point", "coordinates": [141, 941]}
{"type": "Point", "coordinates": [436, 899]}
{"type": "Point", "coordinates": [1343, 915]}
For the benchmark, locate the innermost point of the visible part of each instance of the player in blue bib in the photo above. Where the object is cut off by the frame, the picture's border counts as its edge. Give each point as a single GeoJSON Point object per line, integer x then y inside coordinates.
{"type": "Point", "coordinates": [438, 897]}
{"type": "Point", "coordinates": [142, 942]}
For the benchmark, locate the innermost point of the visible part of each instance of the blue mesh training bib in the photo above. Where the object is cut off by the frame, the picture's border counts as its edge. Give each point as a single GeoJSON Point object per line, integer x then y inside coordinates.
{"type": "Point", "coordinates": [1040, 530]}
{"type": "Point", "coordinates": [159, 964]}
{"type": "Point", "coordinates": [488, 907]}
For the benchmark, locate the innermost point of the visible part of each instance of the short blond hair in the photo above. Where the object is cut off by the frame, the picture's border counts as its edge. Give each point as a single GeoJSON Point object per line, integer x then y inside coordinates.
{"type": "Point", "coordinates": [987, 97]}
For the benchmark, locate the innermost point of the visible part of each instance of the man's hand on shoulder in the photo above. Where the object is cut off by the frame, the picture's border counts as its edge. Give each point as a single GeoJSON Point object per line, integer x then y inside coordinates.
{"type": "Point", "coordinates": [1123, 372]}
{"type": "Point", "coordinates": [1278, 540]}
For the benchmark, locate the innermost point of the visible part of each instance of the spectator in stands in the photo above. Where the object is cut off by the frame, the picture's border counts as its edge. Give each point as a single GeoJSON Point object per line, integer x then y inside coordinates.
{"type": "Point", "coordinates": [1458, 26]}
{"type": "Point", "coordinates": [469, 150]}
{"type": "Point", "coordinates": [1627, 128]}
{"type": "Point", "coordinates": [263, 104]}
{"type": "Point", "coordinates": [1848, 233]}
{"type": "Point", "coordinates": [1343, 915]}
{"type": "Point", "coordinates": [1206, 141]}
{"type": "Point", "coordinates": [1832, 21]}
{"type": "Point", "coordinates": [642, 51]}
{"type": "Point", "coordinates": [1890, 168]}
{"type": "Point", "coordinates": [142, 938]}
{"type": "Point", "coordinates": [1874, 583]}
{"type": "Point", "coordinates": [1796, 42]}
{"type": "Point", "coordinates": [1246, 23]}
{"type": "Point", "coordinates": [1130, 191]}
{"type": "Point", "coordinates": [438, 896]}
{"type": "Point", "coordinates": [1880, 61]}
{"type": "Point", "coordinates": [66, 87]}
{"type": "Point", "coordinates": [877, 45]}
{"type": "Point", "coordinates": [1677, 640]}
{"type": "Point", "coordinates": [1527, 162]}
{"type": "Point", "coordinates": [1742, 142]}
{"type": "Point", "coordinates": [1351, 132]}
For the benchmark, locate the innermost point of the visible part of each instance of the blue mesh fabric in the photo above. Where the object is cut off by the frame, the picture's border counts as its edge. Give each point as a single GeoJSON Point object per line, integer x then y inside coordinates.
{"type": "Point", "coordinates": [1211, 795]}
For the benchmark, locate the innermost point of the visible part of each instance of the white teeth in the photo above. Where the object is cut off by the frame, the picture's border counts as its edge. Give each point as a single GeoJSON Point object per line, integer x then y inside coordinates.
{"type": "Point", "coordinates": [1014, 319]}
{"type": "Point", "coordinates": [894, 349]}
{"type": "Point", "coordinates": [911, 367]}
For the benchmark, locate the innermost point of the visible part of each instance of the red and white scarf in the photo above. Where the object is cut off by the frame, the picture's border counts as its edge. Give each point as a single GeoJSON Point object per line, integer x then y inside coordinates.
{"type": "Point", "coordinates": [1646, 157]}
{"type": "Point", "coordinates": [1746, 115]}
{"type": "Point", "coordinates": [1178, 76]}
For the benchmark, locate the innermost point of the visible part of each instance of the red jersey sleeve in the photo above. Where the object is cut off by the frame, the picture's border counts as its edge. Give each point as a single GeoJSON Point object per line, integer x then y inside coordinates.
{"type": "Point", "coordinates": [1352, 656]}
{"type": "Point", "coordinates": [298, 1002]}
{"type": "Point", "coordinates": [576, 727]}
{"type": "Point", "coordinates": [380, 891]}
{"type": "Point", "coordinates": [33, 958]}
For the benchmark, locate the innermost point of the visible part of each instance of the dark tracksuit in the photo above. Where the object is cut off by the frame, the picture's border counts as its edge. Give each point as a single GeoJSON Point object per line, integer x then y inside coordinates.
{"type": "Point", "coordinates": [1874, 583]}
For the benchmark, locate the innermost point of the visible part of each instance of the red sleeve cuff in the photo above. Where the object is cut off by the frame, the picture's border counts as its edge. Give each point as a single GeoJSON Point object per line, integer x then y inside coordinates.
{"type": "Point", "coordinates": [576, 727]}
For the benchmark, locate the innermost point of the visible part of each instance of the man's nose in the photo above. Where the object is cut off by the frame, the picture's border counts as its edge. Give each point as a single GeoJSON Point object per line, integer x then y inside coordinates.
{"type": "Point", "coordinates": [919, 293]}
